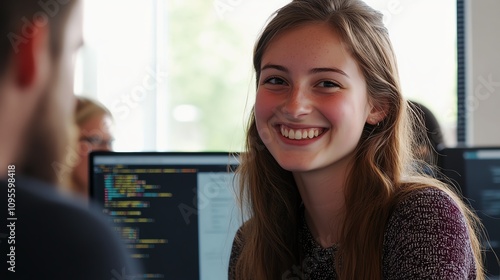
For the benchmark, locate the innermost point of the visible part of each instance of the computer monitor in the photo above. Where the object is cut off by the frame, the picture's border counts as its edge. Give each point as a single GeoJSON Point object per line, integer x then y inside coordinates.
{"type": "Point", "coordinates": [477, 172]}
{"type": "Point", "coordinates": [176, 211]}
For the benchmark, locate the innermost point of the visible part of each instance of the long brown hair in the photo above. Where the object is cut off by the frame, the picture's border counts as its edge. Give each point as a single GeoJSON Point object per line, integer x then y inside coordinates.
{"type": "Point", "coordinates": [269, 195]}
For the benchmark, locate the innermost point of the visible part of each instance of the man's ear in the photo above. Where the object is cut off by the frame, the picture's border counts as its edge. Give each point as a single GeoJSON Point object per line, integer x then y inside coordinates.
{"type": "Point", "coordinates": [30, 54]}
{"type": "Point", "coordinates": [377, 114]}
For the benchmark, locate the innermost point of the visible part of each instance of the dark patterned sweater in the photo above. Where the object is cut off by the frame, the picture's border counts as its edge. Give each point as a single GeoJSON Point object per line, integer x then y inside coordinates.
{"type": "Point", "coordinates": [426, 238]}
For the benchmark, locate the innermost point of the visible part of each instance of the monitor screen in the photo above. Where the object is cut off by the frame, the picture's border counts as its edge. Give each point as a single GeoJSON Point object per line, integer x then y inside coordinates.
{"type": "Point", "coordinates": [477, 173]}
{"type": "Point", "coordinates": [175, 211]}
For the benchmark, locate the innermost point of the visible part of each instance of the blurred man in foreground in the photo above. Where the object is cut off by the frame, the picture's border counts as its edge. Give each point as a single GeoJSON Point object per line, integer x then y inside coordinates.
{"type": "Point", "coordinates": [44, 235]}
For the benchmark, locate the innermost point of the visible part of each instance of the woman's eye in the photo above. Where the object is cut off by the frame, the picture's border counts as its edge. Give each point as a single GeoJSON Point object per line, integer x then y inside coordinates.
{"type": "Point", "coordinates": [275, 81]}
{"type": "Point", "coordinates": [328, 84]}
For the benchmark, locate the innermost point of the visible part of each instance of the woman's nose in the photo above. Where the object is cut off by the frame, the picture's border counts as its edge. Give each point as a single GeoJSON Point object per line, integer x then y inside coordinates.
{"type": "Point", "coordinates": [297, 104]}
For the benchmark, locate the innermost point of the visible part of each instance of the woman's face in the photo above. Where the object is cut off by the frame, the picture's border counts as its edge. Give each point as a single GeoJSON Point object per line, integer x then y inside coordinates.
{"type": "Point", "coordinates": [312, 102]}
{"type": "Point", "coordinates": [95, 135]}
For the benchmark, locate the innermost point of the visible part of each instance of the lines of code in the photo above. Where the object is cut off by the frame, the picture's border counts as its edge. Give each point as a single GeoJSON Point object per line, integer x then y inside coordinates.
{"type": "Point", "coordinates": [483, 190]}
{"type": "Point", "coordinates": [142, 204]}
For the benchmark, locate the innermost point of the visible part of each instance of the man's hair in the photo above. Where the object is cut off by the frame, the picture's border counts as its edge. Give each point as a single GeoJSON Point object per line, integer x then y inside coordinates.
{"type": "Point", "coordinates": [18, 17]}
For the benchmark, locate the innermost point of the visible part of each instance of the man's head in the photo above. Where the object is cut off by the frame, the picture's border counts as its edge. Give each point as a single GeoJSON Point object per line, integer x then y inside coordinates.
{"type": "Point", "coordinates": [38, 41]}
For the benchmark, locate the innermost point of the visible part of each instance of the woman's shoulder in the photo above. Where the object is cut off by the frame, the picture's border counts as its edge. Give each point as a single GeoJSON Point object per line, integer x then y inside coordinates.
{"type": "Point", "coordinates": [427, 234]}
{"type": "Point", "coordinates": [427, 199]}
{"type": "Point", "coordinates": [428, 210]}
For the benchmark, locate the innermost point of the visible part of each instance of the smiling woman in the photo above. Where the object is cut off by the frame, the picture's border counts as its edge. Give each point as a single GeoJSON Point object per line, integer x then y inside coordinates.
{"type": "Point", "coordinates": [309, 84]}
{"type": "Point", "coordinates": [197, 54]}
{"type": "Point", "coordinates": [329, 178]}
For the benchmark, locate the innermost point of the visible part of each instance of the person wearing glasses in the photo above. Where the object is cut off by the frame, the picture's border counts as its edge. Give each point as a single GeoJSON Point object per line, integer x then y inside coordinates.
{"type": "Point", "coordinates": [94, 123]}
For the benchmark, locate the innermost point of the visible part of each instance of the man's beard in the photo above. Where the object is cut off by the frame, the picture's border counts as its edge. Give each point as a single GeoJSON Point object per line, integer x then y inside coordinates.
{"type": "Point", "coordinates": [50, 137]}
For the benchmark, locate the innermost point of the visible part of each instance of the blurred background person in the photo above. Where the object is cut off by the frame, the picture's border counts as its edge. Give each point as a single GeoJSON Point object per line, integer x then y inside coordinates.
{"type": "Point", "coordinates": [431, 138]}
{"type": "Point", "coordinates": [94, 123]}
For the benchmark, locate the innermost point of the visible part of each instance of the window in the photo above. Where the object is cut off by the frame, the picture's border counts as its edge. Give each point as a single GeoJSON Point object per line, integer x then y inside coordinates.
{"type": "Point", "coordinates": [423, 34]}
{"type": "Point", "coordinates": [177, 75]}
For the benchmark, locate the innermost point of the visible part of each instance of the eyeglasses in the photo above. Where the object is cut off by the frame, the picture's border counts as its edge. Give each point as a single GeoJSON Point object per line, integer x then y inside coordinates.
{"type": "Point", "coordinates": [96, 141]}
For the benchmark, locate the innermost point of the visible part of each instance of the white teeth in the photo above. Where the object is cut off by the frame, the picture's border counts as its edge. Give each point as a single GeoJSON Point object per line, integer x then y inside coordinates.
{"type": "Point", "coordinates": [300, 134]}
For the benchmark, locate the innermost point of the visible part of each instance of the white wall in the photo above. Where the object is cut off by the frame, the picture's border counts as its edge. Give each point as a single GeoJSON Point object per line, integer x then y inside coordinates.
{"type": "Point", "coordinates": [483, 72]}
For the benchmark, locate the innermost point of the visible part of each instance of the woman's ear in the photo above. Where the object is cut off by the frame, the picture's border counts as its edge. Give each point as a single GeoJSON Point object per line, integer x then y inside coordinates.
{"type": "Point", "coordinates": [377, 114]}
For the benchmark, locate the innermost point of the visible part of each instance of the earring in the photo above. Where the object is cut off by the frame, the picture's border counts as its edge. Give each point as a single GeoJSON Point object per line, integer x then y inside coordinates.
{"type": "Point", "coordinates": [373, 120]}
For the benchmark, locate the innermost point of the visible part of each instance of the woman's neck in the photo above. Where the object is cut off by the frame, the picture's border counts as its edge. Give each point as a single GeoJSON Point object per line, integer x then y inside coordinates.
{"type": "Point", "coordinates": [322, 193]}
